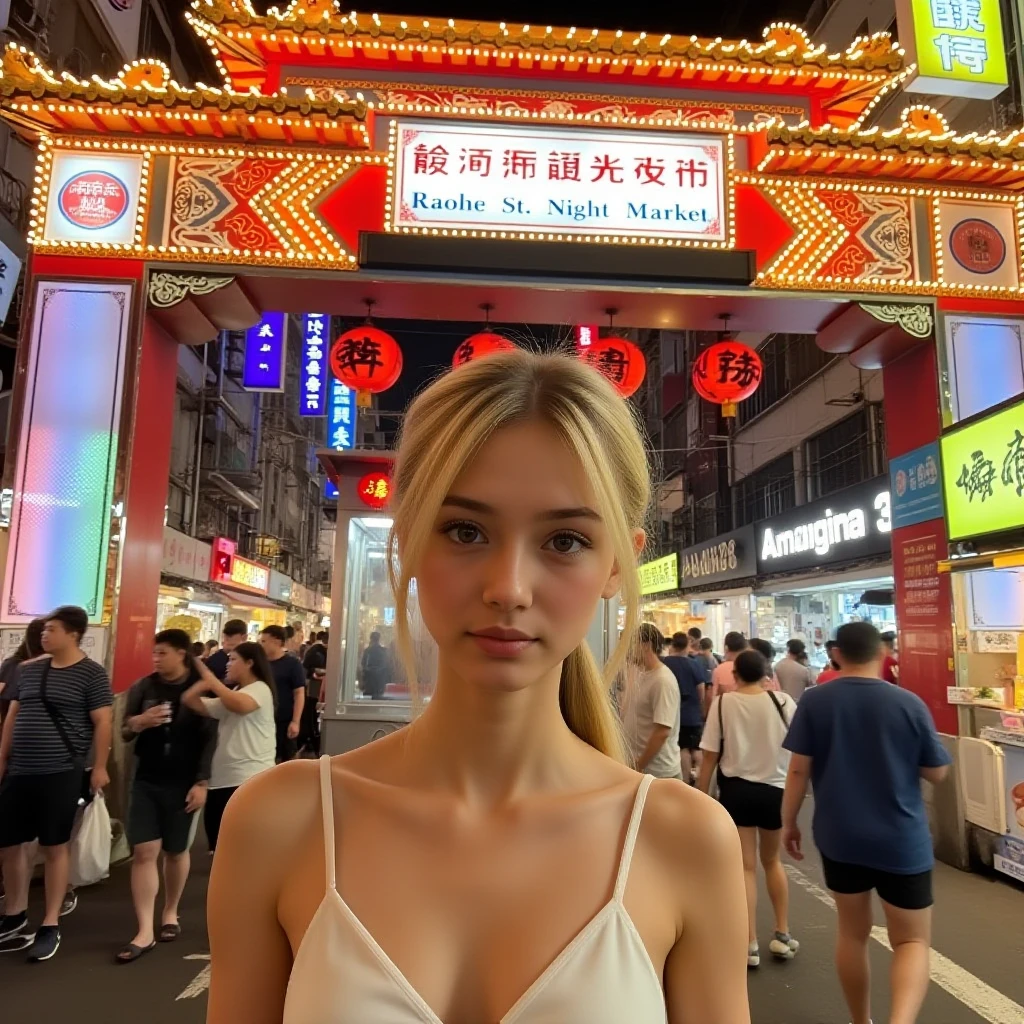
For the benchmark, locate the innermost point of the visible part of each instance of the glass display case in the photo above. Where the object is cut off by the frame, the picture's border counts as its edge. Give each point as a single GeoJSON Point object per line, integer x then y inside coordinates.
{"type": "Point", "coordinates": [372, 668]}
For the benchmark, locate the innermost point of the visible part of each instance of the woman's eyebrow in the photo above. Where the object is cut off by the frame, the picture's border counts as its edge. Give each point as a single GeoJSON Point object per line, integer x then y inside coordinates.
{"type": "Point", "coordinates": [472, 505]}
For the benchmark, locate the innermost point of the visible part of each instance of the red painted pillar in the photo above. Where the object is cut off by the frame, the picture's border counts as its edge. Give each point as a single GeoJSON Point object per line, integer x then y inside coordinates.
{"type": "Point", "coordinates": [147, 462]}
{"type": "Point", "coordinates": [924, 600]}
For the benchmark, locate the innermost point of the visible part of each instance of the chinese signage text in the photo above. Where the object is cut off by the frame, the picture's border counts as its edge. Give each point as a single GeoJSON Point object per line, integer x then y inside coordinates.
{"type": "Point", "coordinates": [313, 376]}
{"type": "Point", "coordinates": [93, 198]}
{"type": "Point", "coordinates": [660, 575]}
{"type": "Point", "coordinates": [957, 46]}
{"type": "Point", "coordinates": [264, 354]}
{"type": "Point", "coordinates": [341, 424]}
{"type": "Point", "coordinates": [577, 181]}
{"type": "Point", "coordinates": [983, 475]}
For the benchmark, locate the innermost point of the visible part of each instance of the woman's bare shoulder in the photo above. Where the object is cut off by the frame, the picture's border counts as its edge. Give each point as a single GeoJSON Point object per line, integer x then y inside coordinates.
{"type": "Point", "coordinates": [273, 809]}
{"type": "Point", "coordinates": [686, 828]}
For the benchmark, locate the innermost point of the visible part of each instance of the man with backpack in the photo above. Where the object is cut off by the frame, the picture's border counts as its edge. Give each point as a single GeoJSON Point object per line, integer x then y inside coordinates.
{"type": "Point", "coordinates": [53, 752]}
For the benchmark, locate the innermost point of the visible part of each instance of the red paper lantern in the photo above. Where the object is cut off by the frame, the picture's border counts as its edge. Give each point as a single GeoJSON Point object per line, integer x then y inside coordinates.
{"type": "Point", "coordinates": [620, 361]}
{"type": "Point", "coordinates": [374, 490]}
{"type": "Point", "coordinates": [727, 372]}
{"type": "Point", "coordinates": [366, 359]}
{"type": "Point", "coordinates": [479, 345]}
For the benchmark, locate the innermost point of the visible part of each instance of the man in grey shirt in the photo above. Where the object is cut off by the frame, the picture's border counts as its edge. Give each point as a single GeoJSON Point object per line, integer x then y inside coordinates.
{"type": "Point", "coordinates": [793, 672]}
{"type": "Point", "coordinates": [650, 710]}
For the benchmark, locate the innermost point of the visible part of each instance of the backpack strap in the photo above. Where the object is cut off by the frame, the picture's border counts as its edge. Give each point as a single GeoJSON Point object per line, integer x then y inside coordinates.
{"type": "Point", "coordinates": [721, 727]}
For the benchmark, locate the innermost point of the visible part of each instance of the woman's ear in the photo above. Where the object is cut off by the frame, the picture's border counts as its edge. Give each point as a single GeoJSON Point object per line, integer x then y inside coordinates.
{"type": "Point", "coordinates": [614, 583]}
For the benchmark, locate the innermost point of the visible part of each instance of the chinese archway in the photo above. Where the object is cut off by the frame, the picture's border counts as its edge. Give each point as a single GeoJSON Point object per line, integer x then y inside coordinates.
{"type": "Point", "coordinates": [344, 155]}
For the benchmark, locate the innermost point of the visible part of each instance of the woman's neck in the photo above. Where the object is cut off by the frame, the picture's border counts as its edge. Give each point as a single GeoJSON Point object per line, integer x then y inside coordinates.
{"type": "Point", "coordinates": [489, 745]}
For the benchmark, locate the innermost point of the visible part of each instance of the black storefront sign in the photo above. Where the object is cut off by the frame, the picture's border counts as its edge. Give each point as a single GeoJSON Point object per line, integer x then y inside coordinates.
{"type": "Point", "coordinates": [730, 556]}
{"type": "Point", "coordinates": [851, 524]}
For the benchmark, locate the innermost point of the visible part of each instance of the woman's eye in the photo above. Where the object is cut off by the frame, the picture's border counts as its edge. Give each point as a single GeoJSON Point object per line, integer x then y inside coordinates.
{"type": "Point", "coordinates": [567, 544]}
{"type": "Point", "coordinates": [464, 533]}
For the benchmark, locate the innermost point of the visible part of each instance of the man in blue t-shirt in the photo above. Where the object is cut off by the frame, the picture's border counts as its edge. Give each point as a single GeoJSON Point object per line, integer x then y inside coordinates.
{"type": "Point", "coordinates": [866, 746]}
{"type": "Point", "coordinates": [690, 678]}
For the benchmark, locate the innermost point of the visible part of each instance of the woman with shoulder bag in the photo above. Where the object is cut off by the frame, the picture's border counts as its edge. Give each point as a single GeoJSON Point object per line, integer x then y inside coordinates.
{"type": "Point", "coordinates": [743, 738]}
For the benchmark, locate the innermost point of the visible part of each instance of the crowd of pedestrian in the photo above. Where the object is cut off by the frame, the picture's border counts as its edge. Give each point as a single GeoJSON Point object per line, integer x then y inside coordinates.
{"type": "Point", "coordinates": [766, 732]}
{"type": "Point", "coordinates": [208, 718]}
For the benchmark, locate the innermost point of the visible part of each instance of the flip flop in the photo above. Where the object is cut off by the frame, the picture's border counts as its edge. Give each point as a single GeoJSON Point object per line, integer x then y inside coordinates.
{"type": "Point", "coordinates": [130, 953]}
{"type": "Point", "coordinates": [169, 932]}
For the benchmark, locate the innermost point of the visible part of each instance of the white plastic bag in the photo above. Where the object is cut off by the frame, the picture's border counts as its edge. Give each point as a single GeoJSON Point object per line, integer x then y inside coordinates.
{"type": "Point", "coordinates": [90, 848]}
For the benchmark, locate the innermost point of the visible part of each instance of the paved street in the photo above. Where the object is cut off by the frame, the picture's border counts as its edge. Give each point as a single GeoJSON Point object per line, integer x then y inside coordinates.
{"type": "Point", "coordinates": [979, 941]}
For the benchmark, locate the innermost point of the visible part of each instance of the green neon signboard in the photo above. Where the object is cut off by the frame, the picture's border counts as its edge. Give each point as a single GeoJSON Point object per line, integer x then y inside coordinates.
{"type": "Point", "coordinates": [983, 475]}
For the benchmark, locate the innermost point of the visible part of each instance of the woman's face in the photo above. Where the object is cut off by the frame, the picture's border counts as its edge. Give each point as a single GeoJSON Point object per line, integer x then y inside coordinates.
{"type": "Point", "coordinates": [516, 562]}
{"type": "Point", "coordinates": [236, 670]}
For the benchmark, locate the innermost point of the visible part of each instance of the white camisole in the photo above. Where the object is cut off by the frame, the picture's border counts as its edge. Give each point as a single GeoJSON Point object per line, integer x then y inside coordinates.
{"type": "Point", "coordinates": [342, 976]}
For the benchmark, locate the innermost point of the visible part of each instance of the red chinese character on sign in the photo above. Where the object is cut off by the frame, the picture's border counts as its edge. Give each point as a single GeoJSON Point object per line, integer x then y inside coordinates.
{"type": "Point", "coordinates": [520, 163]}
{"type": "Point", "coordinates": [649, 171]}
{"type": "Point", "coordinates": [430, 161]}
{"type": "Point", "coordinates": [696, 172]}
{"type": "Point", "coordinates": [563, 167]}
{"type": "Point", "coordinates": [607, 166]}
{"type": "Point", "coordinates": [476, 161]}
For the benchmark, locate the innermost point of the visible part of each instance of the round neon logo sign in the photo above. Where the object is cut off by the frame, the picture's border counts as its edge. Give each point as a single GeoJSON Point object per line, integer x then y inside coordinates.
{"type": "Point", "coordinates": [93, 200]}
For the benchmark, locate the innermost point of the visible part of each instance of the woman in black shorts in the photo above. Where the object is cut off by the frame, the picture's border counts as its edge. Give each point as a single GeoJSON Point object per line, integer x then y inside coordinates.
{"type": "Point", "coordinates": [743, 739]}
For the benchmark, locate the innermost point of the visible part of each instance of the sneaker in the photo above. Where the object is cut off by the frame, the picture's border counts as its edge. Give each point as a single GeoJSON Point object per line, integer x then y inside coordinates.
{"type": "Point", "coordinates": [46, 945]}
{"type": "Point", "coordinates": [783, 946]}
{"type": "Point", "coordinates": [753, 955]}
{"type": "Point", "coordinates": [69, 904]}
{"type": "Point", "coordinates": [12, 925]}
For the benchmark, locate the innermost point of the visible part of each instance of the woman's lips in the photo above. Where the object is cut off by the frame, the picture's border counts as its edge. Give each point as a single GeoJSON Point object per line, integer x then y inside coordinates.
{"type": "Point", "coordinates": [503, 643]}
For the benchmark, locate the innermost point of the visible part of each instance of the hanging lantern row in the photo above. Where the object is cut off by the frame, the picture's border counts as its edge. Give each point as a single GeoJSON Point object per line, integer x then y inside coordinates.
{"type": "Point", "coordinates": [726, 373]}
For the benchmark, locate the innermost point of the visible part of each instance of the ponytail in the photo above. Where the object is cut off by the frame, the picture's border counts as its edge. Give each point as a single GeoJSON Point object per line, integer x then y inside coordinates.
{"type": "Point", "coordinates": [586, 704]}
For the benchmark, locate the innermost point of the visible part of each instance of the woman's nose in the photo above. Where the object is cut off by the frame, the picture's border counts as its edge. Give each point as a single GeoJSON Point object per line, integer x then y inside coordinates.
{"type": "Point", "coordinates": [507, 582]}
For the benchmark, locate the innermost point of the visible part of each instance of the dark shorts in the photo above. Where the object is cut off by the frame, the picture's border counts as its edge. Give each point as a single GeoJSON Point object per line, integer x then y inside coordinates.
{"type": "Point", "coordinates": [689, 737]}
{"type": "Point", "coordinates": [158, 812]}
{"type": "Point", "coordinates": [39, 807]}
{"type": "Point", "coordinates": [751, 804]}
{"type": "Point", "coordinates": [907, 892]}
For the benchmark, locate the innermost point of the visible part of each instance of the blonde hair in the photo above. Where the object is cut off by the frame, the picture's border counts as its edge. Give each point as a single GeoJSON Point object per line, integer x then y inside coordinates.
{"type": "Point", "coordinates": [449, 423]}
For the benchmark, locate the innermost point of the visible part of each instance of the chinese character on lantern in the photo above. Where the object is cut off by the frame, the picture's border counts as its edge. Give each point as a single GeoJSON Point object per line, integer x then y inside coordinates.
{"type": "Point", "coordinates": [620, 361]}
{"type": "Point", "coordinates": [366, 359]}
{"type": "Point", "coordinates": [726, 373]}
{"type": "Point", "coordinates": [374, 490]}
{"type": "Point", "coordinates": [479, 345]}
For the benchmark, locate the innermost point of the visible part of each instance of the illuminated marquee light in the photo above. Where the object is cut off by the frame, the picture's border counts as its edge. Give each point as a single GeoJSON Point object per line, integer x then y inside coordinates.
{"type": "Point", "coordinates": [391, 203]}
{"type": "Point", "coordinates": [809, 230]}
{"type": "Point", "coordinates": [295, 190]}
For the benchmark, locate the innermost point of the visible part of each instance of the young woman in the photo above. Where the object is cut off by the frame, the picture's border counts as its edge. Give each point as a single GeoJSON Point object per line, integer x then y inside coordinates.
{"type": "Point", "coordinates": [246, 735]}
{"type": "Point", "coordinates": [743, 739]}
{"type": "Point", "coordinates": [531, 875]}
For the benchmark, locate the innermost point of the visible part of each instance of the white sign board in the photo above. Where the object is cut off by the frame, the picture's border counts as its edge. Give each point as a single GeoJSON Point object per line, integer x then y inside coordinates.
{"type": "Point", "coordinates": [93, 197]}
{"type": "Point", "coordinates": [124, 19]}
{"type": "Point", "coordinates": [10, 270]}
{"type": "Point", "coordinates": [94, 643]}
{"type": "Point", "coordinates": [564, 181]}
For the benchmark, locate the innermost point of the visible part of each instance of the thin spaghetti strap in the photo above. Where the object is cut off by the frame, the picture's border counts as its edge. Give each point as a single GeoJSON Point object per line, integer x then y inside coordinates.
{"type": "Point", "coordinates": [327, 806]}
{"type": "Point", "coordinates": [631, 833]}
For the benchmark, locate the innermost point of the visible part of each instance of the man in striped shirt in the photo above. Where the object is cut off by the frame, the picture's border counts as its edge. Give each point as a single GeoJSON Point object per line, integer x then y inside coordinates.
{"type": "Point", "coordinates": [58, 728]}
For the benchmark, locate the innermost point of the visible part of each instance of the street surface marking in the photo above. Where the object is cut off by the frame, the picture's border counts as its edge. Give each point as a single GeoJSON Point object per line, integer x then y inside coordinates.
{"type": "Point", "coordinates": [200, 983]}
{"type": "Point", "coordinates": [989, 1004]}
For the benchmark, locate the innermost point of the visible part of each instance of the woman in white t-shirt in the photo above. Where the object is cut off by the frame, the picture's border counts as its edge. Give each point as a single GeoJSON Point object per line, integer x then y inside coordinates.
{"type": "Point", "coordinates": [743, 738]}
{"type": "Point", "coordinates": [246, 736]}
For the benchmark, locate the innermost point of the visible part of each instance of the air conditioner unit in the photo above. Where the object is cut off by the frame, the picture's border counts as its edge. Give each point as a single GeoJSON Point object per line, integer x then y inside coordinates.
{"type": "Point", "coordinates": [983, 783]}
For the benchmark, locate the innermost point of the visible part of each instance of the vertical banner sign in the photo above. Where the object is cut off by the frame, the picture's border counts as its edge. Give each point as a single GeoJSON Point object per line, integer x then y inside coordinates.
{"type": "Point", "coordinates": [957, 46]}
{"type": "Point", "coordinates": [586, 335]}
{"type": "Point", "coordinates": [264, 354]}
{"type": "Point", "coordinates": [313, 374]}
{"type": "Point", "coordinates": [341, 424]}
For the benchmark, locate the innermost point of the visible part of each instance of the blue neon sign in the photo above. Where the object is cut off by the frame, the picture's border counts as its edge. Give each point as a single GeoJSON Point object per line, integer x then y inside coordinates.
{"type": "Point", "coordinates": [314, 373]}
{"type": "Point", "coordinates": [341, 424]}
{"type": "Point", "coordinates": [264, 354]}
